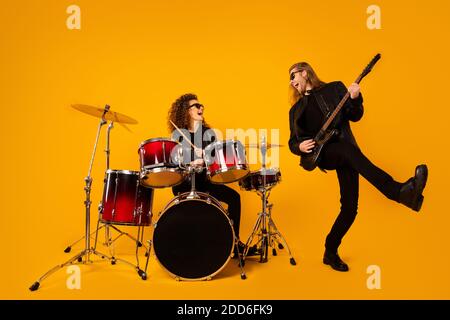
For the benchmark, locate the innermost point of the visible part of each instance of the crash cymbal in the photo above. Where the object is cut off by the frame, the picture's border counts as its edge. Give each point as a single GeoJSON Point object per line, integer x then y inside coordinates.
{"type": "Point", "coordinates": [268, 145]}
{"type": "Point", "coordinates": [110, 115]}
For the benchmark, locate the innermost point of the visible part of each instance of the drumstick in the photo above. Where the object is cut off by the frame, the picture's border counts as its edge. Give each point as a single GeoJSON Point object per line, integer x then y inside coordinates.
{"type": "Point", "coordinates": [181, 132]}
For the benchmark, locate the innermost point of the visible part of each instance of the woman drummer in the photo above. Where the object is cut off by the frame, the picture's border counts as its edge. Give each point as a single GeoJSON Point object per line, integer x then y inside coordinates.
{"type": "Point", "coordinates": [187, 113]}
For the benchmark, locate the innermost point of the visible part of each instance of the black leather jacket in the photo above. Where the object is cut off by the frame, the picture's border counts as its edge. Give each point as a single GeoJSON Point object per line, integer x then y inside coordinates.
{"type": "Point", "coordinates": [328, 97]}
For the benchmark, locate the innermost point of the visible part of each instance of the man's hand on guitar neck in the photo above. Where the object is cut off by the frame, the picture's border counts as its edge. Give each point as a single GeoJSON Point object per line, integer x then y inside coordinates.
{"type": "Point", "coordinates": [307, 145]}
{"type": "Point", "coordinates": [354, 90]}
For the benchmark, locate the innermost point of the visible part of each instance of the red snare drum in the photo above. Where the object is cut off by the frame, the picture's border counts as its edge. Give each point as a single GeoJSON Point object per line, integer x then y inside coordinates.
{"type": "Point", "coordinates": [125, 201]}
{"type": "Point", "coordinates": [254, 181]}
{"type": "Point", "coordinates": [226, 161]}
{"type": "Point", "coordinates": [160, 163]}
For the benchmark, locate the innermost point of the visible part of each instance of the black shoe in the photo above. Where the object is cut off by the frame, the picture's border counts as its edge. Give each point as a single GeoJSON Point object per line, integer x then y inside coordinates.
{"type": "Point", "coordinates": [333, 260]}
{"type": "Point", "coordinates": [411, 191]}
{"type": "Point", "coordinates": [252, 251]}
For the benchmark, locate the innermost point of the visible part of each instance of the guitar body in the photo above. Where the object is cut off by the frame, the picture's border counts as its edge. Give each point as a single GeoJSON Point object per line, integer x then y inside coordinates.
{"type": "Point", "coordinates": [310, 160]}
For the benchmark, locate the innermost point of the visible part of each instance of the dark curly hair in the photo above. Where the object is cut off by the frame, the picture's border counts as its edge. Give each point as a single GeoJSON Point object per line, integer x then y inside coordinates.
{"type": "Point", "coordinates": [179, 114]}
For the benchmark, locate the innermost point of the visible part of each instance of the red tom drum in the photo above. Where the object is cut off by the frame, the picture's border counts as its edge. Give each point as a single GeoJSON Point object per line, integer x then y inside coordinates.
{"type": "Point", "coordinates": [125, 201]}
{"type": "Point", "coordinates": [160, 163]}
{"type": "Point", "coordinates": [225, 161]}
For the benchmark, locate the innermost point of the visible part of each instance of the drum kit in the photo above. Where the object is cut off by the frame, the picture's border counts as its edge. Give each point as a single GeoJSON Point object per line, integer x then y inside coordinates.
{"type": "Point", "coordinates": [193, 237]}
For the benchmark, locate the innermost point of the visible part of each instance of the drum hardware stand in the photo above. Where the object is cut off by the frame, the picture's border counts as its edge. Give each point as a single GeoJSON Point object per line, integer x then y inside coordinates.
{"type": "Point", "coordinates": [109, 242]}
{"type": "Point", "coordinates": [192, 171]}
{"type": "Point", "coordinates": [138, 240]}
{"type": "Point", "coordinates": [94, 236]}
{"type": "Point", "coordinates": [107, 149]}
{"type": "Point", "coordinates": [265, 228]}
{"type": "Point", "coordinates": [88, 250]}
{"type": "Point", "coordinates": [147, 253]}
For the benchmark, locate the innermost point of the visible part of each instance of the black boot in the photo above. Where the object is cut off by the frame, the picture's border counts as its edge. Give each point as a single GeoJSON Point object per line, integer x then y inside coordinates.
{"type": "Point", "coordinates": [411, 191]}
{"type": "Point", "coordinates": [252, 251]}
{"type": "Point", "coordinates": [333, 260]}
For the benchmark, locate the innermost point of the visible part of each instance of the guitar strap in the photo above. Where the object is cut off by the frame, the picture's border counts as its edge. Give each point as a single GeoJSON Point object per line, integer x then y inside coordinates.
{"type": "Point", "coordinates": [325, 110]}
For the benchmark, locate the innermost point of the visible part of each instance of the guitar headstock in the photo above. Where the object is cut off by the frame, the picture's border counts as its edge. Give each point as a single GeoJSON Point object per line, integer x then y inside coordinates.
{"type": "Point", "coordinates": [369, 67]}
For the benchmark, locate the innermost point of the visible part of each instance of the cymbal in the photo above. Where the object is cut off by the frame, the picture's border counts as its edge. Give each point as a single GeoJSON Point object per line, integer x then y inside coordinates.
{"type": "Point", "coordinates": [110, 115]}
{"type": "Point", "coordinates": [268, 145]}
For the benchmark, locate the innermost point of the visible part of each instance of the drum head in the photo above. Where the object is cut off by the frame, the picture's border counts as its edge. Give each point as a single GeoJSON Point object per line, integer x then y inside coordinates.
{"type": "Point", "coordinates": [229, 175]}
{"type": "Point", "coordinates": [193, 240]}
{"type": "Point", "coordinates": [162, 177]}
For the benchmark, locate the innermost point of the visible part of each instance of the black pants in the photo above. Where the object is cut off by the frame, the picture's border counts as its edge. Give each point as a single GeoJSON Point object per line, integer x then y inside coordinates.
{"type": "Point", "coordinates": [349, 162]}
{"type": "Point", "coordinates": [221, 193]}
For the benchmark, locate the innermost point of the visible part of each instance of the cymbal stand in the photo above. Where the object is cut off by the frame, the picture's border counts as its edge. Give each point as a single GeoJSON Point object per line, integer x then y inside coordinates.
{"type": "Point", "coordinates": [265, 228]}
{"type": "Point", "coordinates": [84, 255]}
{"type": "Point", "coordinates": [138, 240]}
{"type": "Point", "coordinates": [107, 151]}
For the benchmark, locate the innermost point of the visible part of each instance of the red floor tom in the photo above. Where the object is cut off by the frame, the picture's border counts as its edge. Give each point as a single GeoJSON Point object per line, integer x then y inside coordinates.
{"type": "Point", "coordinates": [125, 201]}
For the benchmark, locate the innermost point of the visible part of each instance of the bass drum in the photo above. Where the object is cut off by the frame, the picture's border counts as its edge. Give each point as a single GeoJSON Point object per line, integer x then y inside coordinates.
{"type": "Point", "coordinates": [193, 238]}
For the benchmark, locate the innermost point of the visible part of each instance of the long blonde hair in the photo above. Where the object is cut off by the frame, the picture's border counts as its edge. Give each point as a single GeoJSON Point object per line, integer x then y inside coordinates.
{"type": "Point", "coordinates": [311, 78]}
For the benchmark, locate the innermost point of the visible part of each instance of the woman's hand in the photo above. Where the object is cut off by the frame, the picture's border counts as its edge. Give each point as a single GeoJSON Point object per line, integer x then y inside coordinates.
{"type": "Point", "coordinates": [198, 152]}
{"type": "Point", "coordinates": [354, 90]}
{"type": "Point", "coordinates": [307, 145]}
{"type": "Point", "coordinates": [197, 163]}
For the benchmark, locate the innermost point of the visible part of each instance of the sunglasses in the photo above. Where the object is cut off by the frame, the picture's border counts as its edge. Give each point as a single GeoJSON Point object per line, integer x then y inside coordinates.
{"type": "Point", "coordinates": [292, 75]}
{"type": "Point", "coordinates": [197, 105]}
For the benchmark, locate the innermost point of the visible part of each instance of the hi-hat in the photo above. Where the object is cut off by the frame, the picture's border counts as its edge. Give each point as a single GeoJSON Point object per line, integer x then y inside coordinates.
{"type": "Point", "coordinates": [110, 115]}
{"type": "Point", "coordinates": [268, 145]}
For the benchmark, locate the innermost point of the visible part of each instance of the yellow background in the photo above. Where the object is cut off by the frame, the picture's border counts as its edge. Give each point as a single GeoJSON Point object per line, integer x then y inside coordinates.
{"type": "Point", "coordinates": [138, 56]}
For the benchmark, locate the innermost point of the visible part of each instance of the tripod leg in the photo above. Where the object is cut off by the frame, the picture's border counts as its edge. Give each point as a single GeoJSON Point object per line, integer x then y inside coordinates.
{"type": "Point", "coordinates": [69, 247]}
{"type": "Point", "coordinates": [272, 239]}
{"type": "Point", "coordinates": [252, 235]}
{"type": "Point", "coordinates": [96, 233]}
{"type": "Point", "coordinates": [279, 235]}
{"type": "Point", "coordinates": [109, 243]}
{"type": "Point", "coordinates": [137, 244]}
{"type": "Point", "coordinates": [142, 235]}
{"type": "Point", "coordinates": [121, 233]}
{"type": "Point", "coordinates": [264, 239]}
{"type": "Point", "coordinates": [77, 257]}
{"type": "Point", "coordinates": [264, 246]}
{"type": "Point", "coordinates": [148, 255]}
{"type": "Point", "coordinates": [141, 239]}
{"type": "Point", "coordinates": [140, 272]}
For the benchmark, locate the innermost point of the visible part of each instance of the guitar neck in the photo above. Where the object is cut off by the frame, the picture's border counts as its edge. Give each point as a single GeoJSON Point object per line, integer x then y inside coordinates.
{"type": "Point", "coordinates": [338, 108]}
